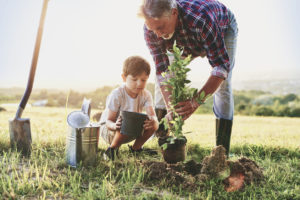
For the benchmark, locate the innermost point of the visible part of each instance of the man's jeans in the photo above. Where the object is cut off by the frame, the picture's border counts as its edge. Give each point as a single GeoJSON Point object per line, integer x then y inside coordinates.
{"type": "Point", "coordinates": [223, 98]}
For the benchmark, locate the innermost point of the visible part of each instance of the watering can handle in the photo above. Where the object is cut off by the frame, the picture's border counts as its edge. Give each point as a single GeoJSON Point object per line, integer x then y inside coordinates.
{"type": "Point", "coordinates": [34, 62]}
{"type": "Point", "coordinates": [86, 106]}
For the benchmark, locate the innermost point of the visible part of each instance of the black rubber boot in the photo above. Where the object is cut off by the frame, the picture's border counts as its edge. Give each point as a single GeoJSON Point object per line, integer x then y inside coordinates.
{"type": "Point", "coordinates": [161, 132]}
{"type": "Point", "coordinates": [223, 133]}
{"type": "Point", "coordinates": [110, 153]}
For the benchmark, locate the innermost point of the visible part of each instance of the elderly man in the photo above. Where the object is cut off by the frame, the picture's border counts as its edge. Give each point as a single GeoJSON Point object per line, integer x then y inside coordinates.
{"type": "Point", "coordinates": [204, 28]}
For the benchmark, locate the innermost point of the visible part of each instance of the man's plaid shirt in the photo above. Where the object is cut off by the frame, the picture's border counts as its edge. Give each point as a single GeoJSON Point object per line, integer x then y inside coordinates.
{"type": "Point", "coordinates": [201, 27]}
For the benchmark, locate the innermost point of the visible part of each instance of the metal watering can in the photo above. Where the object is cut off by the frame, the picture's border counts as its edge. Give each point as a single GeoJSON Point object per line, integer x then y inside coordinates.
{"type": "Point", "coordinates": [83, 137]}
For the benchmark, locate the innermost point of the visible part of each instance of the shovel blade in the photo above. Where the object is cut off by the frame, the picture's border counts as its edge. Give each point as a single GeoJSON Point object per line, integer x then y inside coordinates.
{"type": "Point", "coordinates": [20, 135]}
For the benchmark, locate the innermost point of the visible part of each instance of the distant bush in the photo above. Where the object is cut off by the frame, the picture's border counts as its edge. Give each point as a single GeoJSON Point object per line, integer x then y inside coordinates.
{"type": "Point", "coordinates": [288, 98]}
{"type": "Point", "coordinates": [4, 98]}
{"type": "Point", "coordinates": [282, 111]}
{"type": "Point", "coordinates": [240, 98]}
{"type": "Point", "coordinates": [264, 100]}
{"type": "Point", "coordinates": [52, 103]}
{"type": "Point", "coordinates": [262, 111]}
{"type": "Point", "coordinates": [295, 112]}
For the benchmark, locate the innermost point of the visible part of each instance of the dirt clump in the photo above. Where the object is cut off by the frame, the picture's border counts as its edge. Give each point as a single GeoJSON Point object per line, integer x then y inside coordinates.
{"type": "Point", "coordinates": [192, 175]}
{"type": "Point", "coordinates": [253, 173]}
{"type": "Point", "coordinates": [236, 174]}
{"type": "Point", "coordinates": [192, 167]}
{"type": "Point", "coordinates": [215, 164]}
{"type": "Point", "coordinates": [242, 172]}
{"type": "Point", "coordinates": [236, 179]}
{"type": "Point", "coordinates": [156, 169]}
{"type": "Point", "coordinates": [170, 174]}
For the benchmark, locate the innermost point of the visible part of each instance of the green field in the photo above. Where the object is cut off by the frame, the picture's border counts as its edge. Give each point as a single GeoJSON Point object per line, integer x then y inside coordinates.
{"type": "Point", "coordinates": [272, 142]}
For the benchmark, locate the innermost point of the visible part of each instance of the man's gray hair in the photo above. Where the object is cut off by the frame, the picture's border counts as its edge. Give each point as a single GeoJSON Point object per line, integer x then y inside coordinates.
{"type": "Point", "coordinates": [157, 8]}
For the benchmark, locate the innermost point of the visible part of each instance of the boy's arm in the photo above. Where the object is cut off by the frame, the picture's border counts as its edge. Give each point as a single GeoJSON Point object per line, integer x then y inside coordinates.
{"type": "Point", "coordinates": [112, 123]}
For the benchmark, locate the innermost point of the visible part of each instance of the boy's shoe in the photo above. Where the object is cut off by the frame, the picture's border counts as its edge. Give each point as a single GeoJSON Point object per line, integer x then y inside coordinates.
{"type": "Point", "coordinates": [150, 152]}
{"type": "Point", "coordinates": [110, 154]}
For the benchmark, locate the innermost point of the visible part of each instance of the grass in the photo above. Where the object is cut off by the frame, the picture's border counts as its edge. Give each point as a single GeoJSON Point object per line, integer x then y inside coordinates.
{"type": "Point", "coordinates": [271, 142]}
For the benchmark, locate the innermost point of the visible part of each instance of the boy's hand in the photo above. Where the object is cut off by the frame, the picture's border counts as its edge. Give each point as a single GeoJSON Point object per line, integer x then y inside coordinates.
{"type": "Point", "coordinates": [118, 123]}
{"type": "Point", "coordinates": [151, 123]}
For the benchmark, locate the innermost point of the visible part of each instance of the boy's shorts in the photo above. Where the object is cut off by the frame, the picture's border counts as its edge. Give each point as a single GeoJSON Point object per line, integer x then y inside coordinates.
{"type": "Point", "coordinates": [106, 134]}
{"type": "Point", "coordinates": [109, 135]}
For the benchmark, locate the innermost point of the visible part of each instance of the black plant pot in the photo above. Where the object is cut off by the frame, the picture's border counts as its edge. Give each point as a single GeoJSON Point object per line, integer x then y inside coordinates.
{"type": "Point", "coordinates": [175, 152]}
{"type": "Point", "coordinates": [132, 124]}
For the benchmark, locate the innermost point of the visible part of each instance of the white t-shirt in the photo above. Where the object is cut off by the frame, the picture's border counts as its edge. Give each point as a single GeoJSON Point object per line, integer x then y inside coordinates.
{"type": "Point", "coordinates": [118, 100]}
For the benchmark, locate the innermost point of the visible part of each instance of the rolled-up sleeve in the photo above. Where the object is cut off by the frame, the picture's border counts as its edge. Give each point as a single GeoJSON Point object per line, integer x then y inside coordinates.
{"type": "Point", "coordinates": [219, 72]}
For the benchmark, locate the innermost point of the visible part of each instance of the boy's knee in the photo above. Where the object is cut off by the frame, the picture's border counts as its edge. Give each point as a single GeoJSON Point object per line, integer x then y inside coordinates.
{"type": "Point", "coordinates": [106, 134]}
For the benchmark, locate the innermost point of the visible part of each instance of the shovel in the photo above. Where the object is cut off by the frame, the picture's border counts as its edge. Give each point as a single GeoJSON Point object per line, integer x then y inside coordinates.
{"type": "Point", "coordinates": [19, 128]}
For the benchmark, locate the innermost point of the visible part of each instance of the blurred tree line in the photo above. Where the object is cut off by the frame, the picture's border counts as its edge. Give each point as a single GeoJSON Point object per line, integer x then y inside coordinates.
{"type": "Point", "coordinates": [261, 103]}
{"type": "Point", "coordinates": [252, 102]}
{"type": "Point", "coordinates": [74, 99]}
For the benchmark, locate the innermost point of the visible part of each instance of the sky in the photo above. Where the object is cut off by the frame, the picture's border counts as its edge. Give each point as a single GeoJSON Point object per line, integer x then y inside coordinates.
{"type": "Point", "coordinates": [85, 42]}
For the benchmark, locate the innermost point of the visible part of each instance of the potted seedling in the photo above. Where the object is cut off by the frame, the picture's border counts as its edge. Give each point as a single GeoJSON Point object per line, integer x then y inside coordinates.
{"type": "Point", "coordinates": [173, 146]}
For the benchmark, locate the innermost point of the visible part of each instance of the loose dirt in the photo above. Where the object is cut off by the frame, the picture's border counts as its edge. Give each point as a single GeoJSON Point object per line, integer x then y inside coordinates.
{"type": "Point", "coordinates": [191, 175]}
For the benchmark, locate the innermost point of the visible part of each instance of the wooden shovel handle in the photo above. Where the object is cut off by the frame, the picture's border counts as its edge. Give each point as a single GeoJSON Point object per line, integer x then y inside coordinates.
{"type": "Point", "coordinates": [34, 62]}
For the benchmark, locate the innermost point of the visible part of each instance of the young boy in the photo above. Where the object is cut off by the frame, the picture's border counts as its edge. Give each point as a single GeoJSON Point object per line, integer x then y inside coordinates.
{"type": "Point", "coordinates": [131, 96]}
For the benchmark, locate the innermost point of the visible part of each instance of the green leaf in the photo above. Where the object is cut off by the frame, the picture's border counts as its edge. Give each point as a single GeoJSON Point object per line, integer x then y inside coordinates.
{"type": "Point", "coordinates": [165, 146]}
{"type": "Point", "coordinates": [207, 96]}
{"type": "Point", "coordinates": [168, 89]}
{"type": "Point", "coordinates": [165, 123]}
{"type": "Point", "coordinates": [172, 122]}
{"type": "Point", "coordinates": [172, 141]}
{"type": "Point", "coordinates": [202, 95]}
{"type": "Point", "coordinates": [224, 174]}
{"type": "Point", "coordinates": [194, 91]}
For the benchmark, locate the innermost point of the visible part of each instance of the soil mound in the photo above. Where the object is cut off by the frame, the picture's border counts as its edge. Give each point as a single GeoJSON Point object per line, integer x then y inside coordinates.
{"type": "Point", "coordinates": [251, 171]}
{"type": "Point", "coordinates": [173, 174]}
{"type": "Point", "coordinates": [215, 164]}
{"type": "Point", "coordinates": [191, 175]}
{"type": "Point", "coordinates": [242, 172]}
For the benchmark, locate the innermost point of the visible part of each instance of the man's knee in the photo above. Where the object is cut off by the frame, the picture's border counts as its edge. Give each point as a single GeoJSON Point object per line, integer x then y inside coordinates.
{"type": "Point", "coordinates": [223, 104]}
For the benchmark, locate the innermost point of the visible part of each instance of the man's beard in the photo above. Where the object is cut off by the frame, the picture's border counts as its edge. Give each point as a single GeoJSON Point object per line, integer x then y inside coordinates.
{"type": "Point", "coordinates": [169, 36]}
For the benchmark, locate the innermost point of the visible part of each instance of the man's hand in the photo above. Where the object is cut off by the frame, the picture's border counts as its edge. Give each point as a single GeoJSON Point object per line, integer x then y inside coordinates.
{"type": "Point", "coordinates": [186, 108]}
{"type": "Point", "coordinates": [151, 123]}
